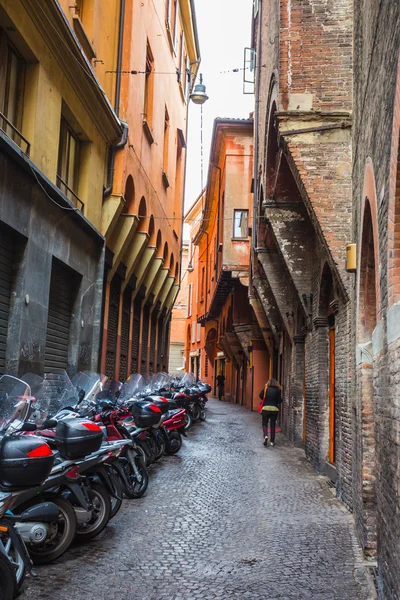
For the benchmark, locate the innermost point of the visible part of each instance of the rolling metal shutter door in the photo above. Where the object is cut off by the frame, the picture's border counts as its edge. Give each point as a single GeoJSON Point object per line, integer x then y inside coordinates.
{"type": "Point", "coordinates": [160, 341]}
{"type": "Point", "coordinates": [135, 336]}
{"type": "Point", "coordinates": [145, 340]}
{"type": "Point", "coordinates": [153, 335]}
{"type": "Point", "coordinates": [58, 319]}
{"type": "Point", "coordinates": [6, 264]}
{"type": "Point", "coordinates": [123, 362]}
{"type": "Point", "coordinates": [112, 327]}
{"type": "Point", "coordinates": [165, 346]}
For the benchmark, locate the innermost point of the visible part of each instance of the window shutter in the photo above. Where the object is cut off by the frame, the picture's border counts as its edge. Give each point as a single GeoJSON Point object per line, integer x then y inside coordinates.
{"type": "Point", "coordinates": [169, 13]}
{"type": "Point", "coordinates": [176, 24]}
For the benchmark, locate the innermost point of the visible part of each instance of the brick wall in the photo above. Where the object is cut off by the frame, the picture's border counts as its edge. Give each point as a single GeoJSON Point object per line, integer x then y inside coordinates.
{"type": "Point", "coordinates": [375, 143]}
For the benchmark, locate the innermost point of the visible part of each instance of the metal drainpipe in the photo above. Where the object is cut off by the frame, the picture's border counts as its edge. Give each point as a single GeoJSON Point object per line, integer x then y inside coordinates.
{"type": "Point", "coordinates": [124, 139]}
{"type": "Point", "coordinates": [218, 218]}
{"type": "Point", "coordinates": [256, 122]}
{"type": "Point", "coordinates": [206, 290]}
{"type": "Point", "coordinates": [119, 56]}
{"type": "Point", "coordinates": [113, 150]}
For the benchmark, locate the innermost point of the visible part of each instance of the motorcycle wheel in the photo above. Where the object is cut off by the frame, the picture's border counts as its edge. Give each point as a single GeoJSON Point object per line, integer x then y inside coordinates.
{"type": "Point", "coordinates": [189, 421]}
{"type": "Point", "coordinates": [116, 503]}
{"type": "Point", "coordinates": [14, 558]}
{"type": "Point", "coordinates": [136, 489]}
{"type": "Point", "coordinates": [175, 443]}
{"type": "Point", "coordinates": [161, 448]}
{"type": "Point", "coordinates": [202, 415]}
{"type": "Point", "coordinates": [64, 533]}
{"type": "Point", "coordinates": [196, 413]}
{"type": "Point", "coordinates": [8, 583]}
{"type": "Point", "coordinates": [101, 511]}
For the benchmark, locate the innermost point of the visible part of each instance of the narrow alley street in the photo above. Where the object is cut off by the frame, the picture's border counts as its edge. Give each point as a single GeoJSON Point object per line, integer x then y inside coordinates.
{"type": "Point", "coordinates": [226, 519]}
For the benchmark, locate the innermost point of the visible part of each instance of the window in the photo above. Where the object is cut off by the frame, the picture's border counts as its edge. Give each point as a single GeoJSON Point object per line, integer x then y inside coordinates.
{"type": "Point", "coordinates": [189, 301]}
{"type": "Point", "coordinates": [183, 67]}
{"type": "Point", "coordinates": [12, 79]}
{"type": "Point", "coordinates": [193, 332]}
{"type": "Point", "coordinates": [83, 25]}
{"type": "Point", "coordinates": [202, 284]}
{"type": "Point", "coordinates": [166, 145]}
{"type": "Point", "coordinates": [148, 92]}
{"type": "Point", "coordinates": [240, 224]}
{"type": "Point", "coordinates": [179, 171]}
{"type": "Point", "coordinates": [188, 78]}
{"type": "Point", "coordinates": [198, 332]}
{"type": "Point", "coordinates": [172, 22]}
{"type": "Point", "coordinates": [68, 161]}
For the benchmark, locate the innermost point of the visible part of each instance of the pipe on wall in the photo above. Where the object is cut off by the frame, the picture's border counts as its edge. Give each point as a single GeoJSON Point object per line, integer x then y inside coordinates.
{"type": "Point", "coordinates": [124, 139]}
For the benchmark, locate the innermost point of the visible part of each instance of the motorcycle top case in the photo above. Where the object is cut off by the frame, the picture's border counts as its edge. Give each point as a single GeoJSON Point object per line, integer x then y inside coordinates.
{"type": "Point", "coordinates": [76, 438]}
{"type": "Point", "coordinates": [146, 413]}
{"type": "Point", "coordinates": [25, 461]}
{"type": "Point", "coordinates": [163, 405]}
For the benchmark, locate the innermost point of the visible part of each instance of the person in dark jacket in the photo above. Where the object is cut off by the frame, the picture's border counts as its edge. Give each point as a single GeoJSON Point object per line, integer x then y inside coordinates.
{"type": "Point", "coordinates": [221, 385]}
{"type": "Point", "coordinates": [272, 399]}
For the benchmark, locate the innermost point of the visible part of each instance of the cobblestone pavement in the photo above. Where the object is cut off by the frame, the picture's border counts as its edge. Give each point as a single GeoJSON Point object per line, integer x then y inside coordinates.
{"type": "Point", "coordinates": [226, 519]}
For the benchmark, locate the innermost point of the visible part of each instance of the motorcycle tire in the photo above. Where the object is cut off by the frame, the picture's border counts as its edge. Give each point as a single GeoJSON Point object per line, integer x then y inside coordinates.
{"type": "Point", "coordinates": [101, 501]}
{"type": "Point", "coordinates": [15, 559]}
{"type": "Point", "coordinates": [67, 524]}
{"type": "Point", "coordinates": [202, 415]}
{"type": "Point", "coordinates": [189, 421]}
{"type": "Point", "coordinates": [137, 488]}
{"type": "Point", "coordinates": [196, 413]}
{"type": "Point", "coordinates": [116, 503]}
{"type": "Point", "coordinates": [175, 443]}
{"type": "Point", "coordinates": [8, 583]}
{"type": "Point", "coordinates": [161, 448]}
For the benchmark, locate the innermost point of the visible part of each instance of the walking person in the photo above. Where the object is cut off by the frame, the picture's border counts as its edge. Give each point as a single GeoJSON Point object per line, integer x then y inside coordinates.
{"type": "Point", "coordinates": [271, 399]}
{"type": "Point", "coordinates": [221, 385]}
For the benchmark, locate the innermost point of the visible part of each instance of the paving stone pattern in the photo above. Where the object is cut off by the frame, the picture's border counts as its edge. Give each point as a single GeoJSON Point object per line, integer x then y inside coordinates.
{"type": "Point", "coordinates": [226, 519]}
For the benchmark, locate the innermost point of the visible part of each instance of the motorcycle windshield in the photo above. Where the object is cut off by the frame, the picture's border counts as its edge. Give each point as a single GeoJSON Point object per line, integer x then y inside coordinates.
{"type": "Point", "coordinates": [159, 381]}
{"type": "Point", "coordinates": [89, 383]}
{"type": "Point", "coordinates": [111, 390]}
{"type": "Point", "coordinates": [188, 379]}
{"type": "Point", "coordinates": [58, 391]}
{"type": "Point", "coordinates": [132, 387]}
{"type": "Point", "coordinates": [39, 408]}
{"type": "Point", "coordinates": [14, 403]}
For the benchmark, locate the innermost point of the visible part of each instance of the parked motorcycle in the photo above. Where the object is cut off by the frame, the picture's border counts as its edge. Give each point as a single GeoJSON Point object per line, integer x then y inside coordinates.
{"type": "Point", "coordinates": [24, 464]}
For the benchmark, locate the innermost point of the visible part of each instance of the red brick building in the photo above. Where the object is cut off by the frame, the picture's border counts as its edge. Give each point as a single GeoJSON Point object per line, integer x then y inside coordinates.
{"type": "Point", "coordinates": [222, 330]}
{"type": "Point", "coordinates": [326, 175]}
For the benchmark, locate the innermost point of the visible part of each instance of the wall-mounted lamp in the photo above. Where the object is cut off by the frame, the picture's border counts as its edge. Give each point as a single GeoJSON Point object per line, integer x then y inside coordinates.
{"type": "Point", "coordinates": [190, 268]}
{"type": "Point", "coordinates": [351, 258]}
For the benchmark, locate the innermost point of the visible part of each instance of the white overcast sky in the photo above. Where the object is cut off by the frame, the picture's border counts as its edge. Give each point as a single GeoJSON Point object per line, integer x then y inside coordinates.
{"type": "Point", "coordinates": [224, 31]}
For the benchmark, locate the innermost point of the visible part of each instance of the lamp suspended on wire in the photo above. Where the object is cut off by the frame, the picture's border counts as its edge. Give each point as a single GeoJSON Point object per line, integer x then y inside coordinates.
{"type": "Point", "coordinates": [199, 96]}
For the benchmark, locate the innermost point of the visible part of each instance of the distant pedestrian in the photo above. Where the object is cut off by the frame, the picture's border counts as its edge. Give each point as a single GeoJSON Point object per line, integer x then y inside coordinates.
{"type": "Point", "coordinates": [271, 399]}
{"type": "Point", "coordinates": [221, 385]}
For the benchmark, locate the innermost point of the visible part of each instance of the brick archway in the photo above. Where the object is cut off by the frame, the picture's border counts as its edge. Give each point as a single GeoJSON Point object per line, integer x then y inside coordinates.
{"type": "Point", "coordinates": [368, 314]}
{"type": "Point", "coordinates": [394, 204]}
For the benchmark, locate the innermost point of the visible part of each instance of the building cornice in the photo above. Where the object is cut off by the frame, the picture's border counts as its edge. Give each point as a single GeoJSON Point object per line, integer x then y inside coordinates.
{"type": "Point", "coordinates": [56, 30]}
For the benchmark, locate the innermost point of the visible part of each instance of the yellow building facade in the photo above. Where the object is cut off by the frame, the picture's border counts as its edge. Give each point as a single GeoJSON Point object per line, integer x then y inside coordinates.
{"type": "Point", "coordinates": [91, 186]}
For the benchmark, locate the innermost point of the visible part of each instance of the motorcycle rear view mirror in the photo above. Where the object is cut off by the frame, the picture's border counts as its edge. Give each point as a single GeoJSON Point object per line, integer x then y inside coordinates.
{"type": "Point", "coordinates": [49, 424]}
{"type": "Point", "coordinates": [28, 427]}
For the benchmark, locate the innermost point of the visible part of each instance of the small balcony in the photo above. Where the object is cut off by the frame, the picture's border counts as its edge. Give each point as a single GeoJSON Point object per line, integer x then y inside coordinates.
{"type": "Point", "coordinates": [16, 136]}
{"type": "Point", "coordinates": [70, 193]}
